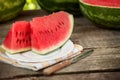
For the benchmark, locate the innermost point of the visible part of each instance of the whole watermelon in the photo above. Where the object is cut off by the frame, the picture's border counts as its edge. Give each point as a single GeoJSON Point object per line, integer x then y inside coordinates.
{"type": "Point", "coordinates": [10, 9]}
{"type": "Point", "coordinates": [71, 6]}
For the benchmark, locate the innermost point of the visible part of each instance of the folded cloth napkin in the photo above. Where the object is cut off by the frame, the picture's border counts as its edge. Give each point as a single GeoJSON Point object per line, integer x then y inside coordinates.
{"type": "Point", "coordinates": [30, 60]}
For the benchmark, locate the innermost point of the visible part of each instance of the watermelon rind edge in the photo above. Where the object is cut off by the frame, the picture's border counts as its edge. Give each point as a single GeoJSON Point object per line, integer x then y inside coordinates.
{"type": "Point", "coordinates": [15, 51]}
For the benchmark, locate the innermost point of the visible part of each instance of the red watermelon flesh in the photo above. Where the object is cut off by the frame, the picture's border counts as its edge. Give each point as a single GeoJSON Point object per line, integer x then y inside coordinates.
{"type": "Point", "coordinates": [50, 32]}
{"type": "Point", "coordinates": [110, 3]}
{"type": "Point", "coordinates": [18, 38]}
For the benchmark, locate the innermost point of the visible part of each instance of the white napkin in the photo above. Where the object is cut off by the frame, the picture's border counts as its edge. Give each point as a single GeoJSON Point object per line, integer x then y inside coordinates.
{"type": "Point", "coordinates": [36, 62]}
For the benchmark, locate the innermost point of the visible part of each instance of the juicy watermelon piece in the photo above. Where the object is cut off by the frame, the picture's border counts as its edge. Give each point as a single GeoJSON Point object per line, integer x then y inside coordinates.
{"type": "Point", "coordinates": [18, 38]}
{"type": "Point", "coordinates": [50, 32]}
{"type": "Point", "coordinates": [104, 13]}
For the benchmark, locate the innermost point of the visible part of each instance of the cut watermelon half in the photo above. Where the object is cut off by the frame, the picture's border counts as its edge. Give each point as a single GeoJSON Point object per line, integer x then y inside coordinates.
{"type": "Point", "coordinates": [104, 13]}
{"type": "Point", "coordinates": [18, 38]}
{"type": "Point", "coordinates": [104, 3]}
{"type": "Point", "coordinates": [50, 32]}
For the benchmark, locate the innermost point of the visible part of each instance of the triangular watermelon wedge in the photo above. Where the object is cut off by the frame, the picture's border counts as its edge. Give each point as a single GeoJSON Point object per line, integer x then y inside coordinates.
{"type": "Point", "coordinates": [51, 32]}
{"type": "Point", "coordinates": [18, 38]}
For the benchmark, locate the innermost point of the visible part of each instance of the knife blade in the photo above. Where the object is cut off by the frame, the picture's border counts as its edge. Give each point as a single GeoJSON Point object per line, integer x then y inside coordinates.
{"type": "Point", "coordinates": [81, 55]}
{"type": "Point", "coordinates": [60, 65]}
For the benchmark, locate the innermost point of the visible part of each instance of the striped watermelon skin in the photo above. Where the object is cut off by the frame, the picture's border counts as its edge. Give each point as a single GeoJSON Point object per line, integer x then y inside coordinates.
{"type": "Point", "coordinates": [9, 9]}
{"type": "Point", "coordinates": [71, 6]}
{"type": "Point", "coordinates": [103, 16]}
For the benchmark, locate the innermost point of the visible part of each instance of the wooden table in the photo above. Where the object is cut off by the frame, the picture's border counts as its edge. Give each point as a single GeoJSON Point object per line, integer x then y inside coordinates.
{"type": "Point", "coordinates": [103, 64]}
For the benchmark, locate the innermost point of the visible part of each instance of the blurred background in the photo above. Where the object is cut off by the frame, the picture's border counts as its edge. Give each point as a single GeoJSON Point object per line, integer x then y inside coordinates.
{"type": "Point", "coordinates": [31, 5]}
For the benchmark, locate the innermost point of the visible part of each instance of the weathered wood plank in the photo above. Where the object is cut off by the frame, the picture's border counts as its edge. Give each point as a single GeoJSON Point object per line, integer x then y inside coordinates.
{"type": "Point", "coordinates": [101, 59]}
{"type": "Point", "coordinates": [79, 76]}
{"type": "Point", "coordinates": [89, 35]}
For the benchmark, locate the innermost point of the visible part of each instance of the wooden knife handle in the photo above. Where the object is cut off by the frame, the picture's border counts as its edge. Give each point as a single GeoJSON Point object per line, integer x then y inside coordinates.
{"type": "Point", "coordinates": [56, 67]}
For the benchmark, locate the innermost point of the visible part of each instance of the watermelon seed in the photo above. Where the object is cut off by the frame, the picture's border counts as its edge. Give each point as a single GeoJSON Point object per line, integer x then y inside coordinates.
{"type": "Point", "coordinates": [23, 40]}
{"type": "Point", "coordinates": [20, 33]}
{"type": "Point", "coordinates": [16, 34]}
{"type": "Point", "coordinates": [58, 26]}
{"type": "Point", "coordinates": [17, 41]}
{"type": "Point", "coordinates": [51, 31]}
{"type": "Point", "coordinates": [60, 23]}
{"type": "Point", "coordinates": [47, 32]}
{"type": "Point", "coordinates": [56, 29]}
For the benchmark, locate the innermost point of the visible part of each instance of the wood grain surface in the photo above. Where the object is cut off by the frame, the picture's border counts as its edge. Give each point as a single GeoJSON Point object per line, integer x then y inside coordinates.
{"type": "Point", "coordinates": [103, 64]}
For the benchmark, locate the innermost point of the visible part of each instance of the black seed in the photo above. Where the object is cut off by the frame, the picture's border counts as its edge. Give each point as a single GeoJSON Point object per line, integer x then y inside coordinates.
{"type": "Point", "coordinates": [20, 41]}
{"type": "Point", "coordinates": [51, 31]}
{"type": "Point", "coordinates": [16, 34]}
{"type": "Point", "coordinates": [17, 41]}
{"type": "Point", "coordinates": [62, 23]}
{"type": "Point", "coordinates": [20, 33]}
{"type": "Point", "coordinates": [23, 40]}
{"type": "Point", "coordinates": [59, 23]}
{"type": "Point", "coordinates": [58, 26]}
{"type": "Point", "coordinates": [56, 29]}
{"type": "Point", "coordinates": [47, 32]}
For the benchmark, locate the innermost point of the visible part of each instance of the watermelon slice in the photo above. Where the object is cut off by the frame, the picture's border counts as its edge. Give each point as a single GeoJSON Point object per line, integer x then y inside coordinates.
{"type": "Point", "coordinates": [50, 32]}
{"type": "Point", "coordinates": [18, 38]}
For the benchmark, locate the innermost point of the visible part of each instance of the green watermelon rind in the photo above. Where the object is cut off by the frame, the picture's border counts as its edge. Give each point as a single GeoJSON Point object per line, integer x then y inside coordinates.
{"type": "Point", "coordinates": [15, 51]}
{"type": "Point", "coordinates": [37, 52]}
{"type": "Point", "coordinates": [71, 6]}
{"type": "Point", "coordinates": [53, 48]}
{"type": "Point", "coordinates": [8, 13]}
{"type": "Point", "coordinates": [108, 17]}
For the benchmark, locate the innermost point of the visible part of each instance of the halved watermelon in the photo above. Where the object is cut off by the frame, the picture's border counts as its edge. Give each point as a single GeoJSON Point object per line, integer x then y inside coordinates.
{"type": "Point", "coordinates": [18, 38]}
{"type": "Point", "coordinates": [104, 13]}
{"type": "Point", "coordinates": [50, 32]}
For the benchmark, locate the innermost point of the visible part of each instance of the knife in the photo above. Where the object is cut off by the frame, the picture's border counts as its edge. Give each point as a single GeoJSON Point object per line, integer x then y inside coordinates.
{"type": "Point", "coordinates": [60, 65]}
